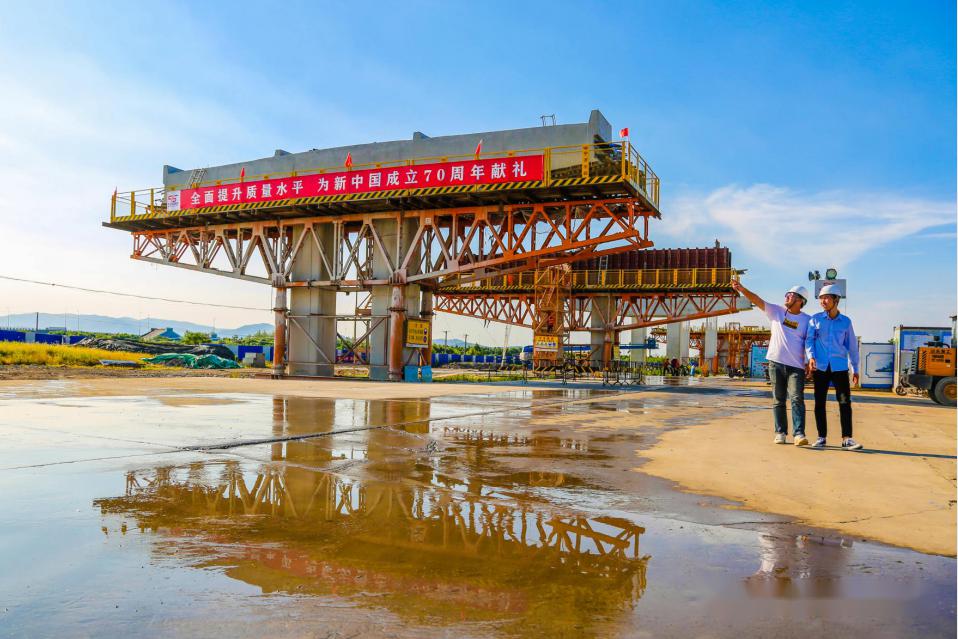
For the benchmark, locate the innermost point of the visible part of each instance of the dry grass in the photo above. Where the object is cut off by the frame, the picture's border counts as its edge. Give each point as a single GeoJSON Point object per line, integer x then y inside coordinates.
{"type": "Point", "coordinates": [22, 354]}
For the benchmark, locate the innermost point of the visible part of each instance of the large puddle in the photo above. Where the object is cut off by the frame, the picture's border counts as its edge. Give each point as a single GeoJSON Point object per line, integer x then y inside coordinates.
{"type": "Point", "coordinates": [514, 514]}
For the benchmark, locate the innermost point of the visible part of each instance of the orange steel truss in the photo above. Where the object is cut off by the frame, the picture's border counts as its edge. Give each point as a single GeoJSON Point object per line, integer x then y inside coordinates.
{"type": "Point", "coordinates": [631, 310]}
{"type": "Point", "coordinates": [739, 341]}
{"type": "Point", "coordinates": [734, 342]}
{"type": "Point", "coordinates": [504, 238]}
{"type": "Point", "coordinates": [498, 252]}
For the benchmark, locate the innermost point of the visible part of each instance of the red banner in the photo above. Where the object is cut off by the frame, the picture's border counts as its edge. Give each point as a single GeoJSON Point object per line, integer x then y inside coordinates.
{"type": "Point", "coordinates": [419, 176]}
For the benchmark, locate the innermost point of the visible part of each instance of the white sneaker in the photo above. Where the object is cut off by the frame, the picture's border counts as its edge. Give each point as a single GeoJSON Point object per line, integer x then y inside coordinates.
{"type": "Point", "coordinates": [779, 438]}
{"type": "Point", "coordinates": [819, 443]}
{"type": "Point", "coordinates": [801, 440]}
{"type": "Point", "coordinates": [851, 444]}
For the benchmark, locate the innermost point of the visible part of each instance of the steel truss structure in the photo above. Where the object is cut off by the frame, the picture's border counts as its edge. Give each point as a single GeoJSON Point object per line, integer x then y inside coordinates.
{"type": "Point", "coordinates": [466, 250]}
{"type": "Point", "coordinates": [445, 242]}
{"type": "Point", "coordinates": [736, 341]}
{"type": "Point", "coordinates": [630, 310]}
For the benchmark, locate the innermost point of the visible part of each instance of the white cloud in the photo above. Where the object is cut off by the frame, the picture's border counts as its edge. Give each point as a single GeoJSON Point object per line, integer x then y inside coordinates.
{"type": "Point", "coordinates": [834, 227]}
{"type": "Point", "coordinates": [66, 141]}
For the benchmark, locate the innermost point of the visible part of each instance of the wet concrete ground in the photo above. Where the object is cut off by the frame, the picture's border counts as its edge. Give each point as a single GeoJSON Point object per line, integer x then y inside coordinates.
{"type": "Point", "coordinates": [511, 514]}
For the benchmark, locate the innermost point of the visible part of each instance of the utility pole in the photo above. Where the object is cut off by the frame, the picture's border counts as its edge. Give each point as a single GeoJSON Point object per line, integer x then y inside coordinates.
{"type": "Point", "coordinates": [505, 346]}
{"type": "Point", "coordinates": [465, 344]}
{"type": "Point", "coordinates": [36, 327]}
{"type": "Point", "coordinates": [446, 338]}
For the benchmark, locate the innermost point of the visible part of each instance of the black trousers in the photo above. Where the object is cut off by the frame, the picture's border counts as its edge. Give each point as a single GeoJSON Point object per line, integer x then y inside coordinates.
{"type": "Point", "coordinates": [843, 393]}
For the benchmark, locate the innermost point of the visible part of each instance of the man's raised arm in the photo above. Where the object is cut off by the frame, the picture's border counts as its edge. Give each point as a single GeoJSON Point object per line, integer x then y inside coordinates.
{"type": "Point", "coordinates": [749, 295]}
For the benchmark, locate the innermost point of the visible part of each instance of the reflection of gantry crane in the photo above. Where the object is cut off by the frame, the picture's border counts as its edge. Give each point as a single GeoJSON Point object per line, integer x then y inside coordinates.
{"type": "Point", "coordinates": [444, 519]}
{"type": "Point", "coordinates": [400, 227]}
{"type": "Point", "coordinates": [332, 534]}
{"type": "Point", "coordinates": [457, 541]}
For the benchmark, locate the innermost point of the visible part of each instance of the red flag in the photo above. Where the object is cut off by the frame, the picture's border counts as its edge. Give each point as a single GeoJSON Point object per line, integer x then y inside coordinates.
{"type": "Point", "coordinates": [243, 173]}
{"type": "Point", "coordinates": [349, 161]}
{"type": "Point", "coordinates": [624, 133]}
{"type": "Point", "coordinates": [479, 148]}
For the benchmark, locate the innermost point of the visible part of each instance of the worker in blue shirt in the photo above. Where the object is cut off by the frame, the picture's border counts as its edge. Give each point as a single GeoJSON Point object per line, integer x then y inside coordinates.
{"type": "Point", "coordinates": [830, 346]}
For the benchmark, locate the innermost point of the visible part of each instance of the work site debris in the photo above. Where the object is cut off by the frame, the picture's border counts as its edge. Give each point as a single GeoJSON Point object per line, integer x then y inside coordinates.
{"type": "Point", "coordinates": [187, 360]}
{"type": "Point", "coordinates": [154, 348]}
{"type": "Point", "coordinates": [121, 363]}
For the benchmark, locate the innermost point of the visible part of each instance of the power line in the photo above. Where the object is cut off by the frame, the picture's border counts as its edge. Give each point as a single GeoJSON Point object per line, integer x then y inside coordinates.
{"type": "Point", "coordinates": [142, 297]}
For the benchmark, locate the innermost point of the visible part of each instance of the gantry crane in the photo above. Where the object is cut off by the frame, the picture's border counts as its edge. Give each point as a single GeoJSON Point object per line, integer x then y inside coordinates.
{"type": "Point", "coordinates": [528, 205]}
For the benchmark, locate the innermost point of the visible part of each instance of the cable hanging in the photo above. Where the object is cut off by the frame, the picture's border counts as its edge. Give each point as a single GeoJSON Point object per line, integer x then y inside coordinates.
{"type": "Point", "coordinates": [142, 297]}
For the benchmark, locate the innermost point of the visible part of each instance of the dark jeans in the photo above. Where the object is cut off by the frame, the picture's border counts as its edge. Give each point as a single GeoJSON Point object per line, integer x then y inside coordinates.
{"type": "Point", "coordinates": [843, 393]}
{"type": "Point", "coordinates": [788, 383]}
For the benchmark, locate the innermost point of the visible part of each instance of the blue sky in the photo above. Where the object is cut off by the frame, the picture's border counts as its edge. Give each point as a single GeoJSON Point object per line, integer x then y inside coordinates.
{"type": "Point", "coordinates": [802, 135]}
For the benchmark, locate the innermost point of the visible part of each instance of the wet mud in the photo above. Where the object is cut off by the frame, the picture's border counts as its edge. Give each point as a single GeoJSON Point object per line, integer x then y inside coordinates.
{"type": "Point", "coordinates": [507, 514]}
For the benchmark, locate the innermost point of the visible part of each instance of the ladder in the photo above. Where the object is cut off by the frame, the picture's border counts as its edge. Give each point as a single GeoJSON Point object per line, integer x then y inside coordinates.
{"type": "Point", "coordinates": [196, 176]}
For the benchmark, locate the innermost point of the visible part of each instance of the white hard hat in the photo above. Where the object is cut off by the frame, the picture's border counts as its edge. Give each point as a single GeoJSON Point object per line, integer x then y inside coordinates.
{"type": "Point", "coordinates": [801, 291]}
{"type": "Point", "coordinates": [830, 289]}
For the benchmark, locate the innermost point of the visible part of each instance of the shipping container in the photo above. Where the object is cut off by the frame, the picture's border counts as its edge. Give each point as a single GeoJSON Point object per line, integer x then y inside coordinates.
{"type": "Point", "coordinates": [716, 257]}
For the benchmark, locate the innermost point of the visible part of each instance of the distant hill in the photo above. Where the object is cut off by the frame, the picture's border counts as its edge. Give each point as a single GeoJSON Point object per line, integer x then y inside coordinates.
{"type": "Point", "coordinates": [108, 324]}
{"type": "Point", "coordinates": [452, 342]}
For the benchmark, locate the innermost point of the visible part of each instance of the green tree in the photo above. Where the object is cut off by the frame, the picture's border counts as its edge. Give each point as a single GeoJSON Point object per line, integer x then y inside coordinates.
{"type": "Point", "coordinates": [260, 338]}
{"type": "Point", "coordinates": [194, 337]}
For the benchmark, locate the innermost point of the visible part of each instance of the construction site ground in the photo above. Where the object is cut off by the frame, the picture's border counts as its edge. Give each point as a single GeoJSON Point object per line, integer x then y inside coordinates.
{"type": "Point", "coordinates": [225, 505]}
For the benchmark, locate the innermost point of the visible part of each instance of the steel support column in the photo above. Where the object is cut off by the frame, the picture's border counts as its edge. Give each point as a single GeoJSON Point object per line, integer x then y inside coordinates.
{"type": "Point", "coordinates": [639, 336]}
{"type": "Point", "coordinates": [279, 326]}
{"type": "Point", "coordinates": [600, 338]}
{"type": "Point", "coordinates": [397, 324]}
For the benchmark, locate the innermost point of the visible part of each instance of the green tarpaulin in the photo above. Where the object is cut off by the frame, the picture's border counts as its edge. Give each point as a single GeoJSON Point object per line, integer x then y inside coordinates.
{"type": "Point", "coordinates": [186, 360]}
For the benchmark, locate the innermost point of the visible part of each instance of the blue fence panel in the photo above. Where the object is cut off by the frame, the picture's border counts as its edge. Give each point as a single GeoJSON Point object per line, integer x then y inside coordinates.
{"type": "Point", "coordinates": [243, 349]}
{"type": "Point", "coordinates": [455, 357]}
{"type": "Point", "coordinates": [13, 336]}
{"type": "Point", "coordinates": [47, 338]}
{"type": "Point", "coordinates": [73, 339]}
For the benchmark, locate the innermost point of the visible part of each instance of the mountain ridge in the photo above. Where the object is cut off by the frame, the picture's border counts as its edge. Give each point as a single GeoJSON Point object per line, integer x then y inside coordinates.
{"type": "Point", "coordinates": [88, 323]}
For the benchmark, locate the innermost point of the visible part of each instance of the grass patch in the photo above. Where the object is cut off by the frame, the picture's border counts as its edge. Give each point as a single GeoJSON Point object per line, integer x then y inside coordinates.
{"type": "Point", "coordinates": [23, 354]}
{"type": "Point", "coordinates": [479, 377]}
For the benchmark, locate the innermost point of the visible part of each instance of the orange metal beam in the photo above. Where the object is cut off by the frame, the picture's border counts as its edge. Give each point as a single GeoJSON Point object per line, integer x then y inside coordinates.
{"type": "Point", "coordinates": [632, 310]}
{"type": "Point", "coordinates": [446, 241]}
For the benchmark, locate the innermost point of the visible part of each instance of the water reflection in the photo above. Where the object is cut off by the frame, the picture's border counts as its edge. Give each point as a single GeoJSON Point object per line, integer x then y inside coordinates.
{"type": "Point", "coordinates": [804, 566]}
{"type": "Point", "coordinates": [396, 525]}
